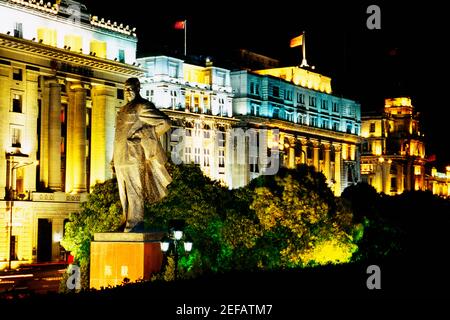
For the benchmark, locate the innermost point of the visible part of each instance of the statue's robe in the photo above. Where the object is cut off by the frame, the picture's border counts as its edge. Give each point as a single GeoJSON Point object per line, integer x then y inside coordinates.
{"type": "Point", "coordinates": [138, 152]}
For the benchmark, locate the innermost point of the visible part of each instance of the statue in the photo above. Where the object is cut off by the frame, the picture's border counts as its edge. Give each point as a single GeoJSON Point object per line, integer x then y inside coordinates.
{"type": "Point", "coordinates": [139, 158]}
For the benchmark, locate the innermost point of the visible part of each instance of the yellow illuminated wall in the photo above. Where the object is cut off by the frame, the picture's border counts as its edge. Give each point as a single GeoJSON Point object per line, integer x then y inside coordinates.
{"type": "Point", "coordinates": [48, 36]}
{"type": "Point", "coordinates": [99, 47]}
{"type": "Point", "coordinates": [302, 77]}
{"type": "Point", "coordinates": [195, 74]}
{"type": "Point", "coordinates": [398, 102]}
{"type": "Point", "coordinates": [74, 42]}
{"type": "Point", "coordinates": [366, 127]}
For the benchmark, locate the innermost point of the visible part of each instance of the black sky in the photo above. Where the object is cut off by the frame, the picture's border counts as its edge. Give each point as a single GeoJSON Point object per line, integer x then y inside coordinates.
{"type": "Point", "coordinates": [406, 57]}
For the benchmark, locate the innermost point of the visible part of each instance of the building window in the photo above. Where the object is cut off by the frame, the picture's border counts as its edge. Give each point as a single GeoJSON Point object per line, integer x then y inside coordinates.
{"type": "Point", "coordinates": [276, 113]}
{"type": "Point", "coordinates": [372, 127]}
{"type": "Point", "coordinates": [18, 33]}
{"type": "Point", "coordinates": [187, 155]}
{"type": "Point", "coordinates": [15, 137]}
{"type": "Point", "coordinates": [197, 130]}
{"type": "Point", "coordinates": [257, 89]}
{"type": "Point", "coordinates": [335, 107]}
{"type": "Point", "coordinates": [336, 126]}
{"type": "Point", "coordinates": [300, 98]}
{"type": "Point", "coordinates": [324, 104]}
{"type": "Point", "coordinates": [312, 101]}
{"type": "Point", "coordinates": [17, 103]}
{"type": "Point", "coordinates": [197, 104]}
{"type": "Point", "coordinates": [173, 98]}
{"type": "Point", "coordinates": [288, 95]}
{"type": "Point", "coordinates": [122, 55]}
{"type": "Point", "coordinates": [206, 157]}
{"type": "Point", "coordinates": [275, 91]}
{"type": "Point", "coordinates": [197, 155]}
{"type": "Point", "coordinates": [221, 107]}
{"type": "Point", "coordinates": [221, 158]}
{"type": "Point", "coordinates": [120, 94]}
{"type": "Point", "coordinates": [349, 127]}
{"type": "Point", "coordinates": [313, 121]}
{"type": "Point", "coordinates": [252, 88]}
{"type": "Point", "coordinates": [417, 170]}
{"type": "Point", "coordinates": [325, 124]}
{"type": "Point", "coordinates": [393, 184]}
{"type": "Point", "coordinates": [17, 74]}
{"type": "Point", "coordinates": [206, 133]}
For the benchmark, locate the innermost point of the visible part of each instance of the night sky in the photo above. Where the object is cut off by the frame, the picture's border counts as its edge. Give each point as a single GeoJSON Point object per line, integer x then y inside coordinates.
{"type": "Point", "coordinates": [405, 57]}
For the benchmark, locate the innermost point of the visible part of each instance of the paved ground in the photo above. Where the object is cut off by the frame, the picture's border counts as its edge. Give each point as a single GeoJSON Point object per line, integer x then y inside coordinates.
{"type": "Point", "coordinates": [37, 278]}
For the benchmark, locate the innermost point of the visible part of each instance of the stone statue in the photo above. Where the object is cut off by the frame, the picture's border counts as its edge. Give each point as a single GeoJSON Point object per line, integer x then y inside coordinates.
{"type": "Point", "coordinates": [139, 158]}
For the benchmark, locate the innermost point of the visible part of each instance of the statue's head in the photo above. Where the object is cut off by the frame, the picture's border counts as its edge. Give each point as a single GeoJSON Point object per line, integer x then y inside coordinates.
{"type": "Point", "coordinates": [132, 88]}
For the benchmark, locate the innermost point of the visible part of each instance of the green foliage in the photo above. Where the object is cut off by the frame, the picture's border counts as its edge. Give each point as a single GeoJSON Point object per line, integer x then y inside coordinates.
{"type": "Point", "coordinates": [102, 212]}
{"type": "Point", "coordinates": [288, 220]}
{"type": "Point", "coordinates": [283, 221]}
{"type": "Point", "coordinates": [299, 215]}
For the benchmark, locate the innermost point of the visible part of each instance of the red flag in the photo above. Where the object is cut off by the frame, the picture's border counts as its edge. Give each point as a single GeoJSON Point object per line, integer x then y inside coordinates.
{"type": "Point", "coordinates": [179, 25]}
{"type": "Point", "coordinates": [297, 41]}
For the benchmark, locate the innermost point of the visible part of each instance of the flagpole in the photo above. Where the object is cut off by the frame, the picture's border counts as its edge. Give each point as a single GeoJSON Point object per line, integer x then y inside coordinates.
{"type": "Point", "coordinates": [304, 63]}
{"type": "Point", "coordinates": [185, 30]}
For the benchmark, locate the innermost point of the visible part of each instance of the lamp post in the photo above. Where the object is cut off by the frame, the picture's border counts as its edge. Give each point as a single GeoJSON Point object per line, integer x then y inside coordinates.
{"type": "Point", "coordinates": [14, 165]}
{"type": "Point", "coordinates": [175, 238]}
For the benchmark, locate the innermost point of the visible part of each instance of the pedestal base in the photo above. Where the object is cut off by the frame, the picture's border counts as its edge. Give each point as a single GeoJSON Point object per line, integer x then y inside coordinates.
{"type": "Point", "coordinates": [116, 256]}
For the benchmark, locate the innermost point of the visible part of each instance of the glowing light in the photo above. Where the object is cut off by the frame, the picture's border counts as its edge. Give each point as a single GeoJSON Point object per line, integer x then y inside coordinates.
{"type": "Point", "coordinates": [188, 246]}
{"type": "Point", "coordinates": [381, 159]}
{"type": "Point", "coordinates": [398, 102]}
{"type": "Point", "coordinates": [417, 170]}
{"type": "Point", "coordinates": [164, 246]}
{"type": "Point", "coordinates": [57, 237]}
{"type": "Point", "coordinates": [178, 234]}
{"type": "Point", "coordinates": [300, 76]}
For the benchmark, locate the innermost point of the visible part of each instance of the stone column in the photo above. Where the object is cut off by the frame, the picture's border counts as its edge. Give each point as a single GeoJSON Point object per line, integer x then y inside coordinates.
{"type": "Point", "coordinates": [291, 153]}
{"type": "Point", "coordinates": [344, 151]}
{"type": "Point", "coordinates": [54, 136]}
{"type": "Point", "coordinates": [337, 169]}
{"type": "Point", "coordinates": [327, 162]}
{"type": "Point", "coordinates": [316, 147]}
{"type": "Point", "coordinates": [77, 143]}
{"type": "Point", "coordinates": [352, 152]}
{"type": "Point", "coordinates": [304, 143]}
{"type": "Point", "coordinates": [102, 133]}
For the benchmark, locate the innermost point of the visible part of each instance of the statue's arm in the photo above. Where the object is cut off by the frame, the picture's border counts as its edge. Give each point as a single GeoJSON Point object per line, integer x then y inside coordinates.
{"type": "Point", "coordinates": [155, 118]}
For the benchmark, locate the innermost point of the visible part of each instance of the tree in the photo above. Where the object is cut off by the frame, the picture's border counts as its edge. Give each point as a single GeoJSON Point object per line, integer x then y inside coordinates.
{"type": "Point", "coordinates": [102, 212]}
{"type": "Point", "coordinates": [202, 204]}
{"type": "Point", "coordinates": [300, 217]}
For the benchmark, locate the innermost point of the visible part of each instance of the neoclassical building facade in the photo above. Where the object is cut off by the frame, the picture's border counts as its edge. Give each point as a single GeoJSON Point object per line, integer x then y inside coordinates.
{"type": "Point", "coordinates": [393, 149]}
{"type": "Point", "coordinates": [61, 81]}
{"type": "Point", "coordinates": [315, 127]}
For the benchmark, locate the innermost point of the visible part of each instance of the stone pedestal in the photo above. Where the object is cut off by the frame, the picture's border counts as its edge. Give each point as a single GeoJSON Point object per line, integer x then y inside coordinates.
{"type": "Point", "coordinates": [116, 256]}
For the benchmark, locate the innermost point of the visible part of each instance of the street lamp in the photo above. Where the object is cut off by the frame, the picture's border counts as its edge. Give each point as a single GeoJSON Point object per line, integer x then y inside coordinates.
{"type": "Point", "coordinates": [175, 238]}
{"type": "Point", "coordinates": [13, 165]}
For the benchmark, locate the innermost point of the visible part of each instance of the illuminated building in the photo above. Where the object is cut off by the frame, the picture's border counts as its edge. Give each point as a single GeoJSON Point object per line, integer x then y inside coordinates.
{"type": "Point", "coordinates": [393, 151]}
{"type": "Point", "coordinates": [61, 78]}
{"type": "Point", "coordinates": [439, 182]}
{"type": "Point", "coordinates": [199, 100]}
{"type": "Point", "coordinates": [316, 128]}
